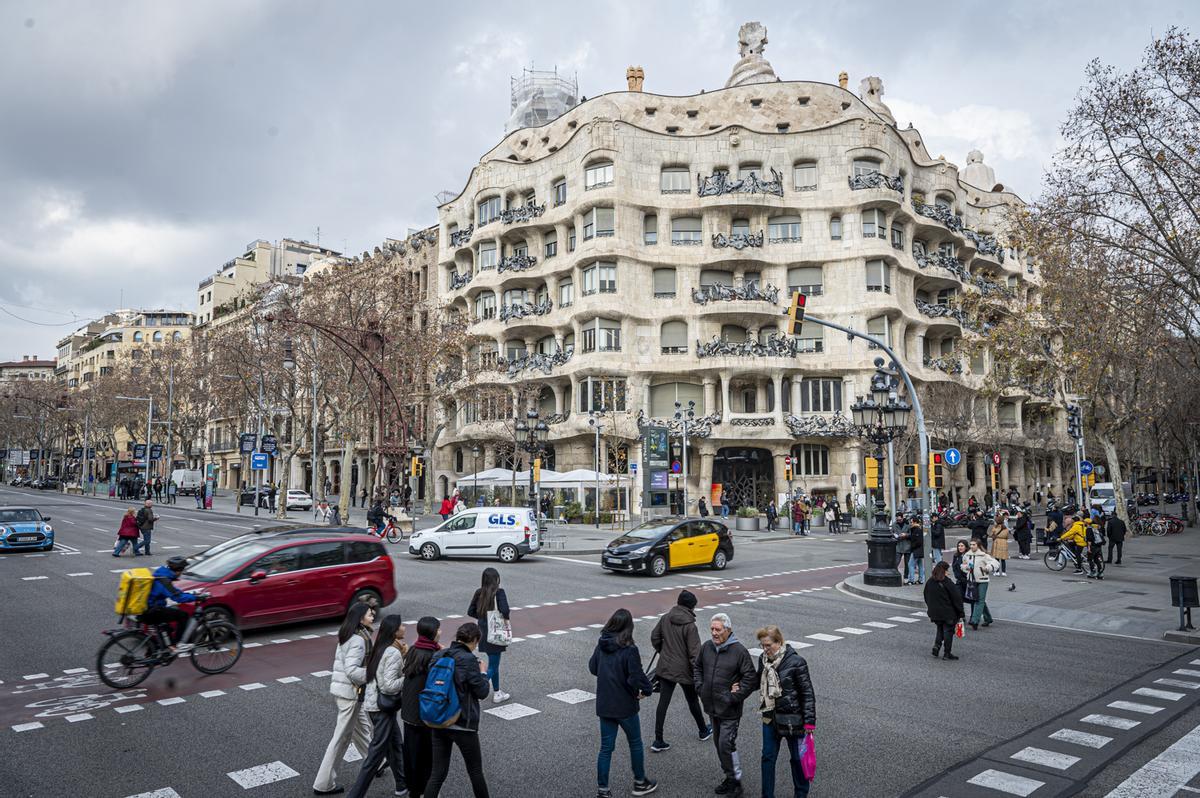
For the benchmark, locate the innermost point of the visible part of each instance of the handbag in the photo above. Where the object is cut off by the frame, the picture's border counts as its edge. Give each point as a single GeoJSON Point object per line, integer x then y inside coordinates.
{"type": "Point", "coordinates": [808, 760]}
{"type": "Point", "coordinates": [499, 629]}
{"type": "Point", "coordinates": [652, 674]}
{"type": "Point", "coordinates": [972, 591]}
{"type": "Point", "coordinates": [789, 725]}
{"type": "Point", "coordinates": [958, 629]}
{"type": "Point", "coordinates": [388, 702]}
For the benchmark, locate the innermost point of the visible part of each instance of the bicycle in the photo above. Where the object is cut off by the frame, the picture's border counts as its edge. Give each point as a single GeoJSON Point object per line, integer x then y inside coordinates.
{"type": "Point", "coordinates": [135, 648]}
{"type": "Point", "coordinates": [390, 532]}
{"type": "Point", "coordinates": [1058, 557]}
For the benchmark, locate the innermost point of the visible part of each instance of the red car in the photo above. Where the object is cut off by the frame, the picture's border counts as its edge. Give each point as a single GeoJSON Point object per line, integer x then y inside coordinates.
{"type": "Point", "coordinates": [297, 576]}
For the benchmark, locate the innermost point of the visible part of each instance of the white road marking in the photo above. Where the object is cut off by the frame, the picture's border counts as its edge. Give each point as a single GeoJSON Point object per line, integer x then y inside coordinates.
{"type": "Point", "coordinates": [252, 686]}
{"type": "Point", "coordinates": [321, 674]}
{"type": "Point", "coordinates": [33, 676]}
{"type": "Point", "coordinates": [824, 638]}
{"type": "Point", "coordinates": [534, 637]}
{"type": "Point", "coordinates": [796, 644]}
{"type": "Point", "coordinates": [212, 693]}
{"type": "Point", "coordinates": [880, 625]}
{"type": "Point", "coordinates": [1111, 721]}
{"type": "Point", "coordinates": [166, 702]}
{"type": "Point", "coordinates": [126, 708]}
{"type": "Point", "coordinates": [1167, 773]}
{"type": "Point", "coordinates": [24, 727]}
{"type": "Point", "coordinates": [75, 670]}
{"type": "Point", "coordinates": [1178, 683]}
{"type": "Point", "coordinates": [713, 578]}
{"type": "Point", "coordinates": [1081, 738]}
{"type": "Point", "coordinates": [79, 717]}
{"type": "Point", "coordinates": [81, 573]}
{"type": "Point", "coordinates": [850, 630]}
{"type": "Point", "coordinates": [595, 626]}
{"type": "Point", "coordinates": [262, 774]}
{"type": "Point", "coordinates": [255, 645]}
{"type": "Point", "coordinates": [511, 711]}
{"type": "Point", "coordinates": [578, 628]}
{"type": "Point", "coordinates": [162, 792]}
{"type": "Point", "coordinates": [1165, 695]}
{"type": "Point", "coordinates": [559, 632]}
{"type": "Point", "coordinates": [33, 578]}
{"type": "Point", "coordinates": [902, 619]}
{"type": "Point", "coordinates": [309, 637]}
{"type": "Point", "coordinates": [282, 640]}
{"type": "Point", "coordinates": [1050, 759]}
{"type": "Point", "coordinates": [1005, 782]}
{"type": "Point", "coordinates": [1186, 672]}
{"type": "Point", "coordinates": [288, 679]}
{"type": "Point", "coordinates": [589, 563]}
{"type": "Point", "coordinates": [572, 696]}
{"type": "Point", "coordinates": [1130, 706]}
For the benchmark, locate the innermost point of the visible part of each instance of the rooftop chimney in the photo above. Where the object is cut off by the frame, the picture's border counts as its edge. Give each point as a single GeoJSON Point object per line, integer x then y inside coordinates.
{"type": "Point", "coordinates": [635, 76]}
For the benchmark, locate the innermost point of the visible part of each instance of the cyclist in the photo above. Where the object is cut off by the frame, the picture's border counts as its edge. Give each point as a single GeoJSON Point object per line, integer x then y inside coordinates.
{"type": "Point", "coordinates": [157, 611]}
{"type": "Point", "coordinates": [377, 517]}
{"type": "Point", "coordinates": [1076, 539]}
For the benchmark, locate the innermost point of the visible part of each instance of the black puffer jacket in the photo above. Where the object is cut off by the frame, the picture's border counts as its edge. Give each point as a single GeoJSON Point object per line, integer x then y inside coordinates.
{"type": "Point", "coordinates": [937, 533]}
{"type": "Point", "coordinates": [619, 678]}
{"type": "Point", "coordinates": [797, 696]}
{"type": "Point", "coordinates": [714, 674]}
{"type": "Point", "coordinates": [677, 642]}
{"type": "Point", "coordinates": [943, 601]}
{"type": "Point", "coordinates": [470, 683]}
{"type": "Point", "coordinates": [414, 683]}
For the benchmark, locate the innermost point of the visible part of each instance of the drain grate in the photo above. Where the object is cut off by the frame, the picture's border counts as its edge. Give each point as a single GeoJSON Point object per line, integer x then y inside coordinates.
{"type": "Point", "coordinates": [1144, 609]}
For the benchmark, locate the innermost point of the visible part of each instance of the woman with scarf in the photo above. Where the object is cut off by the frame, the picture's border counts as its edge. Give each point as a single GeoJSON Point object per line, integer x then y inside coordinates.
{"type": "Point", "coordinates": [418, 738]}
{"type": "Point", "coordinates": [789, 708]}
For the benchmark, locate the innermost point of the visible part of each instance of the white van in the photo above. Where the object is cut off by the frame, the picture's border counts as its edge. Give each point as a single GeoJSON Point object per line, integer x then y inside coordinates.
{"type": "Point", "coordinates": [187, 480]}
{"type": "Point", "coordinates": [507, 533]}
{"type": "Point", "coordinates": [1104, 496]}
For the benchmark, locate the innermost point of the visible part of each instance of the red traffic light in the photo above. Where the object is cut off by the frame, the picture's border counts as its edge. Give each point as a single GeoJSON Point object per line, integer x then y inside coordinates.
{"type": "Point", "coordinates": [937, 458]}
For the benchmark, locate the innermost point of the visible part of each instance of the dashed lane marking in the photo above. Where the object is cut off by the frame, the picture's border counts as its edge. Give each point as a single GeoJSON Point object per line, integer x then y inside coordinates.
{"type": "Point", "coordinates": [24, 727]}
{"type": "Point", "coordinates": [880, 625]}
{"type": "Point", "coordinates": [166, 702]}
{"type": "Point", "coordinates": [252, 686]}
{"type": "Point", "coordinates": [126, 708]}
{"type": "Point", "coordinates": [1186, 672]}
{"type": "Point", "coordinates": [80, 716]}
{"type": "Point", "coordinates": [1165, 695]}
{"type": "Point", "coordinates": [1005, 782]}
{"type": "Point", "coordinates": [1111, 721]}
{"type": "Point", "coordinates": [75, 670]}
{"type": "Point", "coordinates": [212, 693]}
{"type": "Point", "coordinates": [262, 774]}
{"type": "Point", "coordinates": [512, 711]}
{"type": "Point", "coordinates": [162, 792]}
{"type": "Point", "coordinates": [902, 619]}
{"type": "Point", "coordinates": [81, 573]}
{"type": "Point", "coordinates": [33, 676]}
{"type": "Point", "coordinates": [322, 674]}
{"type": "Point", "coordinates": [824, 638]}
{"type": "Point", "coordinates": [1178, 683]}
{"type": "Point", "coordinates": [1040, 756]}
{"type": "Point", "coordinates": [851, 630]}
{"type": "Point", "coordinates": [1085, 739]}
{"type": "Point", "coordinates": [1130, 706]}
{"type": "Point", "coordinates": [33, 578]}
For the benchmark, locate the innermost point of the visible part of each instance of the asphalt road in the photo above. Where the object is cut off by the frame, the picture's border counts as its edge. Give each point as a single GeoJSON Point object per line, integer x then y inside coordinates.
{"type": "Point", "coordinates": [891, 719]}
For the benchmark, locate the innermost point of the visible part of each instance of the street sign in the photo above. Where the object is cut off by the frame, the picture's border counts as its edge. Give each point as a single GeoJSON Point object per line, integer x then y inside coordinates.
{"type": "Point", "coordinates": [1086, 467]}
{"type": "Point", "coordinates": [139, 451]}
{"type": "Point", "coordinates": [787, 460]}
{"type": "Point", "coordinates": [156, 451]}
{"type": "Point", "coordinates": [259, 461]}
{"type": "Point", "coordinates": [676, 467]}
{"type": "Point", "coordinates": [995, 458]}
{"type": "Point", "coordinates": [247, 442]}
{"type": "Point", "coordinates": [269, 445]}
{"type": "Point", "coordinates": [77, 452]}
{"type": "Point", "coordinates": [633, 468]}
{"type": "Point", "coordinates": [1100, 470]}
{"type": "Point", "coordinates": [853, 479]}
{"type": "Point", "coordinates": [33, 455]}
{"type": "Point", "coordinates": [953, 457]}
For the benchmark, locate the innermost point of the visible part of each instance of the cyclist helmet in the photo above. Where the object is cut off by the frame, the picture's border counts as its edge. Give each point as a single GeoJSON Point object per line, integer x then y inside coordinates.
{"type": "Point", "coordinates": [177, 563]}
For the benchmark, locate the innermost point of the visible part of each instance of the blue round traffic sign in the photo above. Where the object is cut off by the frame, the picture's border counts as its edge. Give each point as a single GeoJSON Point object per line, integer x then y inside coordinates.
{"type": "Point", "coordinates": [952, 457]}
{"type": "Point", "coordinates": [676, 467]}
{"type": "Point", "coordinates": [1086, 467]}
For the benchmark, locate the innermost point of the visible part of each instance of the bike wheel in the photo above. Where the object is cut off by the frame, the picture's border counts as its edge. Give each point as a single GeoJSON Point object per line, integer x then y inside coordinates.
{"type": "Point", "coordinates": [218, 647]}
{"type": "Point", "coordinates": [126, 659]}
{"type": "Point", "coordinates": [1159, 529]}
{"type": "Point", "coordinates": [1054, 561]}
{"type": "Point", "coordinates": [394, 535]}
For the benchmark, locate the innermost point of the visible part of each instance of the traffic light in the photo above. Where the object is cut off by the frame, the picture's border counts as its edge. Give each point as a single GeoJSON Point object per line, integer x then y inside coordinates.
{"type": "Point", "coordinates": [796, 313]}
{"type": "Point", "coordinates": [936, 470]}
{"type": "Point", "coordinates": [787, 468]}
{"type": "Point", "coordinates": [1089, 480]}
{"type": "Point", "coordinates": [910, 475]}
{"type": "Point", "coordinates": [872, 481]}
{"type": "Point", "coordinates": [1075, 421]}
{"type": "Point", "coordinates": [416, 467]}
{"type": "Point", "coordinates": [537, 469]}
{"type": "Point", "coordinates": [995, 477]}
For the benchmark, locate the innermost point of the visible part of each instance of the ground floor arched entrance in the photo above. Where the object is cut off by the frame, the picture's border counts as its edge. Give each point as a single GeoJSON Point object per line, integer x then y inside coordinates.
{"type": "Point", "coordinates": [747, 475]}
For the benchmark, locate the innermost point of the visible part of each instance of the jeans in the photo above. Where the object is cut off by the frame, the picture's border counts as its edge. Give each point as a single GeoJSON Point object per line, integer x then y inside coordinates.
{"type": "Point", "coordinates": [144, 543]}
{"type": "Point", "coordinates": [1095, 557]}
{"type": "Point", "coordinates": [1119, 544]}
{"type": "Point", "coordinates": [386, 743]}
{"type": "Point", "coordinates": [418, 756]}
{"type": "Point", "coordinates": [493, 671]}
{"type": "Point", "coordinates": [797, 527]}
{"type": "Point", "coordinates": [1003, 567]}
{"type": "Point", "coordinates": [725, 734]}
{"type": "Point", "coordinates": [770, 752]}
{"type": "Point", "coordinates": [199, 500]}
{"type": "Point", "coordinates": [666, 690]}
{"type": "Point", "coordinates": [916, 565]}
{"type": "Point", "coordinates": [124, 543]}
{"type": "Point", "coordinates": [937, 555]}
{"type": "Point", "coordinates": [945, 635]}
{"type": "Point", "coordinates": [351, 725]}
{"type": "Point", "coordinates": [468, 746]}
{"type": "Point", "coordinates": [632, 726]}
{"type": "Point", "coordinates": [980, 610]}
{"type": "Point", "coordinates": [724, 510]}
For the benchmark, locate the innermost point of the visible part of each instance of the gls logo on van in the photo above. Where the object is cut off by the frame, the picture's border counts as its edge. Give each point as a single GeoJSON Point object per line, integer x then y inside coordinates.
{"type": "Point", "coordinates": [502, 520]}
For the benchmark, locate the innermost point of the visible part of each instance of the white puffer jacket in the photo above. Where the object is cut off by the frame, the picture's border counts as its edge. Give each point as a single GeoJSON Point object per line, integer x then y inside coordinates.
{"type": "Point", "coordinates": [349, 668]}
{"type": "Point", "coordinates": [979, 566]}
{"type": "Point", "coordinates": [388, 678]}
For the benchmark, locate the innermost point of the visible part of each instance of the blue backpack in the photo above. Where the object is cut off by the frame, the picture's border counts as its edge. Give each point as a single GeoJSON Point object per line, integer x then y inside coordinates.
{"type": "Point", "coordinates": [439, 699]}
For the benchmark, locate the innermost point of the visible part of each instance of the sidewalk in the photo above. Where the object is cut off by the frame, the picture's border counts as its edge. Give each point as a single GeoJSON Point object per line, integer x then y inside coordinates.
{"type": "Point", "coordinates": [1133, 599]}
{"type": "Point", "coordinates": [564, 539]}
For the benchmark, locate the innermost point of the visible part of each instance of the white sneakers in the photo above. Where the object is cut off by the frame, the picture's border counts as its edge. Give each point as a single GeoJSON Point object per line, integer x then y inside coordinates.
{"type": "Point", "coordinates": [500, 696]}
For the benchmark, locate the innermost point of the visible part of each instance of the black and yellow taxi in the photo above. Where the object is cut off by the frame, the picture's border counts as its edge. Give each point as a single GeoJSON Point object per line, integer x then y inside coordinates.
{"type": "Point", "coordinates": [665, 544]}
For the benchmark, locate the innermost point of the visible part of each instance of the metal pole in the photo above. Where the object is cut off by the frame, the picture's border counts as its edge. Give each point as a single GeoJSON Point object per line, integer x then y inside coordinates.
{"type": "Point", "coordinates": [892, 482]}
{"type": "Point", "coordinates": [684, 425]}
{"type": "Point", "coordinates": [315, 425]}
{"type": "Point", "coordinates": [258, 474]}
{"type": "Point", "coordinates": [87, 463]}
{"type": "Point", "coordinates": [149, 427]}
{"type": "Point", "coordinates": [170, 415]}
{"type": "Point", "coordinates": [1078, 475]}
{"type": "Point", "coordinates": [596, 514]}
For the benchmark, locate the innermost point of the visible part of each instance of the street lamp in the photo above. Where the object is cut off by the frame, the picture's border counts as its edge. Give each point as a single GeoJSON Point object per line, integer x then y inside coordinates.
{"type": "Point", "coordinates": [475, 457]}
{"type": "Point", "coordinates": [686, 416]}
{"type": "Point", "coordinates": [149, 425]}
{"type": "Point", "coordinates": [594, 421]}
{"type": "Point", "coordinates": [880, 418]}
{"type": "Point", "coordinates": [530, 434]}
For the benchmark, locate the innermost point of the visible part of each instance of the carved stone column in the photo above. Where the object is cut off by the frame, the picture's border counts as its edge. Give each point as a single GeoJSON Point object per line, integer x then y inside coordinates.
{"type": "Point", "coordinates": [726, 407]}
{"type": "Point", "coordinates": [710, 396]}
{"type": "Point", "coordinates": [707, 454]}
{"type": "Point", "coordinates": [777, 383]}
{"type": "Point", "coordinates": [781, 485]}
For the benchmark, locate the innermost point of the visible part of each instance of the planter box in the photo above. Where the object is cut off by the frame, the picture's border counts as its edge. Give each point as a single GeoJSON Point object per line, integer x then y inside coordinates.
{"type": "Point", "coordinates": [746, 524]}
{"type": "Point", "coordinates": [858, 523]}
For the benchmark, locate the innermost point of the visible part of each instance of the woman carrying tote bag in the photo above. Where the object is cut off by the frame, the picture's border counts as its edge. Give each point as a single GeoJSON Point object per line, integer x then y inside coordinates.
{"type": "Point", "coordinates": [489, 608]}
{"type": "Point", "coordinates": [789, 711]}
{"type": "Point", "coordinates": [384, 682]}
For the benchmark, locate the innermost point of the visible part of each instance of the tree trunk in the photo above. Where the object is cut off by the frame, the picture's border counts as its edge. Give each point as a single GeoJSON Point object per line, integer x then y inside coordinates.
{"type": "Point", "coordinates": [1114, 470]}
{"type": "Point", "coordinates": [345, 490]}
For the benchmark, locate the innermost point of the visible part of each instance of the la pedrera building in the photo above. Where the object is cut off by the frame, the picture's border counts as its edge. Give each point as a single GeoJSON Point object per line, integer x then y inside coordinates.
{"type": "Point", "coordinates": [639, 250]}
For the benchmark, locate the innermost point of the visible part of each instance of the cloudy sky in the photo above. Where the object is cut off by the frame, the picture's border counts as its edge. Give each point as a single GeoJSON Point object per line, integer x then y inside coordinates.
{"type": "Point", "coordinates": [142, 144]}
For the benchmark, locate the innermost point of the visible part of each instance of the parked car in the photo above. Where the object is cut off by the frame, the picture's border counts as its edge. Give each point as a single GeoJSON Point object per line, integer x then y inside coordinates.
{"type": "Point", "coordinates": [48, 483]}
{"type": "Point", "coordinates": [282, 578]}
{"type": "Point", "coordinates": [507, 533]}
{"type": "Point", "coordinates": [187, 480]}
{"type": "Point", "coordinates": [25, 528]}
{"type": "Point", "coordinates": [246, 497]}
{"type": "Point", "coordinates": [666, 544]}
{"type": "Point", "coordinates": [298, 500]}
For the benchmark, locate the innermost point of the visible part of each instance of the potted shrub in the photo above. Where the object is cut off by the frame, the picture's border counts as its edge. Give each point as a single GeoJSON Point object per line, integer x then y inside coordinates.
{"type": "Point", "coordinates": [573, 512]}
{"type": "Point", "coordinates": [746, 519]}
{"type": "Point", "coordinates": [862, 517]}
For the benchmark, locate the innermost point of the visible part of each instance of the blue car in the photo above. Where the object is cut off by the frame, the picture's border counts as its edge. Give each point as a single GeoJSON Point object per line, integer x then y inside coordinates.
{"type": "Point", "coordinates": [24, 528]}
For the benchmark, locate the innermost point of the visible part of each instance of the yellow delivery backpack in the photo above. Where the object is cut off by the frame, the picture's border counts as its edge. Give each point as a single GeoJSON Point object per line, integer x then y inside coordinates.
{"type": "Point", "coordinates": [134, 591]}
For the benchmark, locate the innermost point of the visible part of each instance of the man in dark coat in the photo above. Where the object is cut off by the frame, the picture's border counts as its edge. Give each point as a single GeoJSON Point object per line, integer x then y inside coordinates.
{"type": "Point", "coordinates": [1116, 537]}
{"type": "Point", "coordinates": [677, 642]}
{"type": "Point", "coordinates": [724, 676]}
{"type": "Point", "coordinates": [979, 529]}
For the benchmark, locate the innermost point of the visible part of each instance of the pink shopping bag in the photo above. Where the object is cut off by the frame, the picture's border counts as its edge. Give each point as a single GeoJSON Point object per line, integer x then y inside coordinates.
{"type": "Point", "coordinates": [808, 760]}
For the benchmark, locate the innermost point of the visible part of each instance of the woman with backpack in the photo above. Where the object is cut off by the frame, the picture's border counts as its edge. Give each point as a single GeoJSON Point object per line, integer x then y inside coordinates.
{"type": "Point", "coordinates": [456, 678]}
{"type": "Point", "coordinates": [620, 684]}
{"type": "Point", "coordinates": [490, 597]}
{"type": "Point", "coordinates": [347, 685]}
{"type": "Point", "coordinates": [382, 701]}
{"type": "Point", "coordinates": [418, 738]}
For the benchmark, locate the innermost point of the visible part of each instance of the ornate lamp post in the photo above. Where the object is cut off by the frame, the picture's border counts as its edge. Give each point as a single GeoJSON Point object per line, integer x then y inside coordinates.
{"type": "Point", "coordinates": [880, 418]}
{"type": "Point", "coordinates": [686, 416]}
{"type": "Point", "coordinates": [531, 435]}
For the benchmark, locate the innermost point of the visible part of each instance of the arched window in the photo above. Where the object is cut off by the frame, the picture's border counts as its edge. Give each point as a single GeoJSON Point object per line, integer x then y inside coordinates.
{"type": "Point", "coordinates": [835, 228]}
{"type": "Point", "coordinates": [157, 337]}
{"type": "Point", "coordinates": [663, 398]}
{"type": "Point", "coordinates": [598, 175]}
{"type": "Point", "coordinates": [137, 337]}
{"type": "Point", "coordinates": [674, 337]}
{"type": "Point", "coordinates": [177, 335]}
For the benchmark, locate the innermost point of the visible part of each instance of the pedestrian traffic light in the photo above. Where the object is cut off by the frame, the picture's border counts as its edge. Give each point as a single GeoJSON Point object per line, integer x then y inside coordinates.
{"type": "Point", "coordinates": [416, 467]}
{"type": "Point", "coordinates": [796, 313]}
{"type": "Point", "coordinates": [910, 475]}
{"type": "Point", "coordinates": [936, 470]}
{"type": "Point", "coordinates": [995, 477]}
{"type": "Point", "coordinates": [537, 469]}
{"type": "Point", "coordinates": [872, 481]}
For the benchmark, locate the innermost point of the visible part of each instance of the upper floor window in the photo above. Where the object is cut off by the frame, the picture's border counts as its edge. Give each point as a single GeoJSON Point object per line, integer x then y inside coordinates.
{"type": "Point", "coordinates": [571, 239]}
{"type": "Point", "coordinates": [485, 306]}
{"type": "Point", "coordinates": [514, 296]}
{"type": "Point", "coordinates": [782, 229]}
{"type": "Point", "coordinates": [489, 209]}
{"type": "Point", "coordinates": [740, 227]}
{"type": "Point", "coordinates": [734, 333]}
{"type": "Point", "coordinates": [864, 166]}
{"type": "Point", "coordinates": [598, 174]}
{"type": "Point", "coordinates": [977, 362]}
{"type": "Point", "coordinates": [177, 336]}
{"type": "Point", "coordinates": [879, 277]}
{"type": "Point", "coordinates": [805, 279]}
{"type": "Point", "coordinates": [897, 236]}
{"type": "Point", "coordinates": [946, 295]}
{"type": "Point", "coordinates": [881, 328]}
{"type": "Point", "coordinates": [674, 337]}
{"type": "Point", "coordinates": [551, 244]}
{"type": "Point", "coordinates": [943, 201]}
{"type": "Point", "coordinates": [559, 191]}
{"type": "Point", "coordinates": [874, 224]}
{"type": "Point", "coordinates": [664, 283]}
{"type": "Point", "coordinates": [601, 394]}
{"type": "Point", "coordinates": [811, 338]}
{"type": "Point", "coordinates": [747, 169]}
{"type": "Point", "coordinates": [602, 335]}
{"type": "Point", "coordinates": [664, 397]}
{"type": "Point", "coordinates": [566, 293]}
{"type": "Point", "coordinates": [137, 337]}
{"type": "Point", "coordinates": [487, 255]}
{"type": "Point", "coordinates": [520, 249]}
{"type": "Point", "coordinates": [716, 277]}
{"type": "Point", "coordinates": [804, 176]}
{"type": "Point", "coordinates": [158, 336]}
{"type": "Point", "coordinates": [948, 249]}
{"type": "Point", "coordinates": [598, 223]}
{"type": "Point", "coordinates": [650, 229]}
{"type": "Point", "coordinates": [675, 180]}
{"type": "Point", "coordinates": [835, 228]}
{"type": "Point", "coordinates": [812, 460]}
{"type": "Point", "coordinates": [686, 230]}
{"type": "Point", "coordinates": [820, 395]}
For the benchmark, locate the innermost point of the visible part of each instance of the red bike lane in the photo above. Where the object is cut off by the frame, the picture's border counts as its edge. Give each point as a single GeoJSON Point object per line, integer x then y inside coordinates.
{"type": "Point", "coordinates": [62, 697]}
